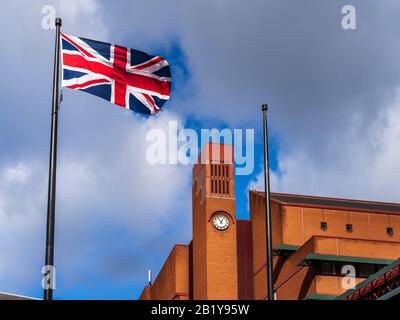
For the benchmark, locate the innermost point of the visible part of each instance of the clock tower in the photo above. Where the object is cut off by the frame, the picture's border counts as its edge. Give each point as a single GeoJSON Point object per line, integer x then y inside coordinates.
{"type": "Point", "coordinates": [214, 224]}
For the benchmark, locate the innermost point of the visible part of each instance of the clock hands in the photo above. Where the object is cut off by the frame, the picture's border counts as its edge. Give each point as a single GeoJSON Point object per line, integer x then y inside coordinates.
{"type": "Point", "coordinates": [221, 222]}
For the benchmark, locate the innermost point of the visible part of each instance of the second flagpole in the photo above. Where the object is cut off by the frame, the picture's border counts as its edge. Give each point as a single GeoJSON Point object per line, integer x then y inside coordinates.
{"type": "Point", "coordinates": [268, 228]}
{"type": "Point", "coordinates": [49, 278]}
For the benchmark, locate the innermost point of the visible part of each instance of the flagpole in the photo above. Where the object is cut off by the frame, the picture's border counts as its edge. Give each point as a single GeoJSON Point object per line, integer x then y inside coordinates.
{"type": "Point", "coordinates": [51, 202]}
{"type": "Point", "coordinates": [269, 263]}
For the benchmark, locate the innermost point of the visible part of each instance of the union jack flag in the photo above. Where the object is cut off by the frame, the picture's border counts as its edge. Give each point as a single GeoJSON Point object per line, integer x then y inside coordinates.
{"type": "Point", "coordinates": [126, 77]}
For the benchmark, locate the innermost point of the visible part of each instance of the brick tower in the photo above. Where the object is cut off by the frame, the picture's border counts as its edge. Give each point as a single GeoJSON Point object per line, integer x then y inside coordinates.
{"type": "Point", "coordinates": [214, 225]}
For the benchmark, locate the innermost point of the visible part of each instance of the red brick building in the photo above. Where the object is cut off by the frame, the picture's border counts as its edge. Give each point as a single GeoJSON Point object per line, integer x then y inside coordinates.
{"type": "Point", "coordinates": [314, 239]}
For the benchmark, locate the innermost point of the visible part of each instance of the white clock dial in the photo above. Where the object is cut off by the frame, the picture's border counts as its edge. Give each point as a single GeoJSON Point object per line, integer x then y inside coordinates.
{"type": "Point", "coordinates": [221, 222]}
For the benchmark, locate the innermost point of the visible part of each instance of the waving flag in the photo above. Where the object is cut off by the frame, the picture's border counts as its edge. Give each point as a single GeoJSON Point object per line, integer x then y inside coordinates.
{"type": "Point", "coordinates": [126, 77]}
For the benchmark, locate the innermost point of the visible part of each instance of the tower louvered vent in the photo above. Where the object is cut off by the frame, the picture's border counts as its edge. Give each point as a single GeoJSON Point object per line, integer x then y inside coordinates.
{"type": "Point", "coordinates": [220, 178]}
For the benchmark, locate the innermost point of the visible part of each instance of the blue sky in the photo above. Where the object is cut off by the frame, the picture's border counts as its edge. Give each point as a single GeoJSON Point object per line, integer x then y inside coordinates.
{"type": "Point", "coordinates": [334, 129]}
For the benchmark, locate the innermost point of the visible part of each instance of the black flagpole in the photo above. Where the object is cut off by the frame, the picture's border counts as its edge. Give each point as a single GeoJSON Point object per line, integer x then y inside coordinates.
{"type": "Point", "coordinates": [269, 262]}
{"type": "Point", "coordinates": [49, 261]}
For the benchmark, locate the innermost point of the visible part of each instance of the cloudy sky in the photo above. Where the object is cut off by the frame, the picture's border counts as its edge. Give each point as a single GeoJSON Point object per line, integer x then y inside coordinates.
{"type": "Point", "coordinates": [334, 99]}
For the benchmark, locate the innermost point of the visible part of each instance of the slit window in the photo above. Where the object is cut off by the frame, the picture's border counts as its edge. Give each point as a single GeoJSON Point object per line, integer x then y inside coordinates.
{"type": "Point", "coordinates": [327, 268]}
{"type": "Point", "coordinates": [365, 270]}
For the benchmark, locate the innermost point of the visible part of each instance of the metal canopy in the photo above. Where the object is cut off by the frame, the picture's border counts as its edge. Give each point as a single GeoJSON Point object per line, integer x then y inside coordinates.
{"type": "Point", "coordinates": [284, 249]}
{"type": "Point", "coordinates": [379, 279]}
{"type": "Point", "coordinates": [317, 296]}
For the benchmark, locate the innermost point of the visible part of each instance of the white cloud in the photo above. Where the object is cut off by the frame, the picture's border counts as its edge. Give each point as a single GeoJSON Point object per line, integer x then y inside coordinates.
{"type": "Point", "coordinates": [364, 166]}
{"type": "Point", "coordinates": [75, 8]}
{"type": "Point", "coordinates": [17, 174]}
{"type": "Point", "coordinates": [119, 190]}
{"type": "Point", "coordinates": [83, 18]}
{"type": "Point", "coordinates": [21, 193]}
{"type": "Point", "coordinates": [112, 206]}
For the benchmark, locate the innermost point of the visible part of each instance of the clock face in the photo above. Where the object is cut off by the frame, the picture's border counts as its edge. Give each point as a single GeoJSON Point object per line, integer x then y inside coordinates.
{"type": "Point", "coordinates": [221, 222]}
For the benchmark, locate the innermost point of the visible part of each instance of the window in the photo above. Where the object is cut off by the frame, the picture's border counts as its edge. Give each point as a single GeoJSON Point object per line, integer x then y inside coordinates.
{"type": "Point", "coordinates": [349, 227]}
{"type": "Point", "coordinates": [389, 231]}
{"type": "Point", "coordinates": [365, 270]}
{"type": "Point", "coordinates": [324, 225]}
{"type": "Point", "coordinates": [335, 268]}
{"type": "Point", "coordinates": [327, 268]}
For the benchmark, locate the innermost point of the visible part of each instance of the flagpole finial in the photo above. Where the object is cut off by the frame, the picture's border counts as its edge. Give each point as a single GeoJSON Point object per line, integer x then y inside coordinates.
{"type": "Point", "coordinates": [264, 107]}
{"type": "Point", "coordinates": [58, 22]}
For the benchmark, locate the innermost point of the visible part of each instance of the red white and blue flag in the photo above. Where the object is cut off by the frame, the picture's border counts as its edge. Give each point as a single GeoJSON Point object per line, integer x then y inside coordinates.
{"type": "Point", "coordinates": [126, 77]}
